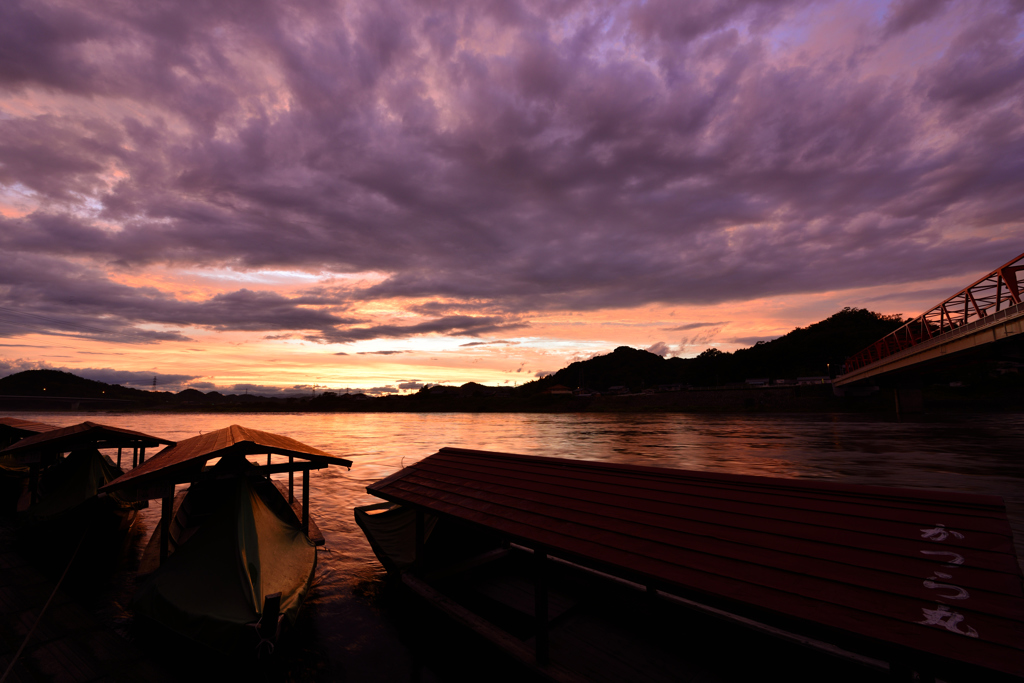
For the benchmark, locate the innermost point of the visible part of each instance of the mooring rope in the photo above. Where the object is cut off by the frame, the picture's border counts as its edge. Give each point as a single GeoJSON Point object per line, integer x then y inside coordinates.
{"type": "Point", "coordinates": [39, 618]}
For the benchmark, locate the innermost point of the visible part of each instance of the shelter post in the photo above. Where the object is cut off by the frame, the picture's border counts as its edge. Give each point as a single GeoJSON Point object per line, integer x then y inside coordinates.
{"type": "Point", "coordinates": [305, 501]}
{"type": "Point", "coordinates": [291, 480]}
{"type": "Point", "coordinates": [142, 455]}
{"type": "Point", "coordinates": [540, 603]}
{"type": "Point", "coordinates": [135, 456]}
{"type": "Point", "coordinates": [268, 466]}
{"type": "Point", "coordinates": [119, 456]}
{"type": "Point", "coordinates": [166, 509]}
{"type": "Point", "coordinates": [421, 529]}
{"type": "Point", "coordinates": [33, 481]}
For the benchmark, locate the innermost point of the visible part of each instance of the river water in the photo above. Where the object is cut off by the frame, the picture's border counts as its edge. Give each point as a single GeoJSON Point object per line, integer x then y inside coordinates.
{"type": "Point", "coordinates": [354, 628]}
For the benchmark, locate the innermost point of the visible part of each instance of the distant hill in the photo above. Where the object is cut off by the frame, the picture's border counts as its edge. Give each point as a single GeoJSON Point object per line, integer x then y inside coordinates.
{"type": "Point", "coordinates": [47, 383]}
{"type": "Point", "coordinates": [815, 350]}
{"type": "Point", "coordinates": [810, 351]}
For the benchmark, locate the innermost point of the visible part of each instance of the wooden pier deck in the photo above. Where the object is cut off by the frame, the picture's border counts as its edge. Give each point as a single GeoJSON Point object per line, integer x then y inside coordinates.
{"type": "Point", "coordinates": [68, 645]}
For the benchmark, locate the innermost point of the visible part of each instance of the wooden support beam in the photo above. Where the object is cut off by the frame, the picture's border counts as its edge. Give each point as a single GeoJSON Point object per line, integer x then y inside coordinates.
{"type": "Point", "coordinates": [166, 510]}
{"type": "Point", "coordinates": [421, 536]}
{"type": "Point", "coordinates": [119, 456]}
{"type": "Point", "coordinates": [33, 482]}
{"type": "Point", "coordinates": [135, 457]}
{"type": "Point", "coordinates": [540, 604]}
{"type": "Point", "coordinates": [305, 501]}
{"type": "Point", "coordinates": [291, 480]}
{"type": "Point", "coordinates": [268, 466]}
{"type": "Point", "coordinates": [142, 455]}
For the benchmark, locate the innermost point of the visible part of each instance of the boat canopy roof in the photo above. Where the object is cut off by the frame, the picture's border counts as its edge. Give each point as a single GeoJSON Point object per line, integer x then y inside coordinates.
{"type": "Point", "coordinates": [185, 459]}
{"type": "Point", "coordinates": [877, 569]}
{"type": "Point", "coordinates": [83, 435]}
{"type": "Point", "coordinates": [18, 426]}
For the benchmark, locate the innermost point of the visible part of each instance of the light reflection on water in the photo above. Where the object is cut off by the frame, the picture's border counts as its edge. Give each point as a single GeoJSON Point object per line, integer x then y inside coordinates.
{"type": "Point", "coordinates": [348, 630]}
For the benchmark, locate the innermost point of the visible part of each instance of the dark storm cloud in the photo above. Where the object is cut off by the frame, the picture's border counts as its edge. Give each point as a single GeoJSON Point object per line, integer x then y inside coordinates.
{"type": "Point", "coordinates": [454, 325]}
{"type": "Point", "coordinates": [905, 14]}
{"type": "Point", "coordinates": [40, 294]}
{"type": "Point", "coordinates": [607, 155]}
{"type": "Point", "coordinates": [493, 342]}
{"type": "Point", "coordinates": [693, 326]}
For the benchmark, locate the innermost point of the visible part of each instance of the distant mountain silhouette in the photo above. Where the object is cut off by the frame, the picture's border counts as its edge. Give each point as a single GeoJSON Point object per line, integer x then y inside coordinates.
{"type": "Point", "coordinates": [49, 383]}
{"type": "Point", "coordinates": [58, 384]}
{"type": "Point", "coordinates": [812, 351]}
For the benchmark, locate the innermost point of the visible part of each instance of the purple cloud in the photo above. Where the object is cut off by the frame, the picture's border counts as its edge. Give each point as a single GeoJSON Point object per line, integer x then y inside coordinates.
{"type": "Point", "coordinates": [608, 155]}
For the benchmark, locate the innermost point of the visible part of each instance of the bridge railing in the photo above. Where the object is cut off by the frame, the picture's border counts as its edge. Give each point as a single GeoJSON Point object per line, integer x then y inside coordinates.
{"type": "Point", "coordinates": [991, 298]}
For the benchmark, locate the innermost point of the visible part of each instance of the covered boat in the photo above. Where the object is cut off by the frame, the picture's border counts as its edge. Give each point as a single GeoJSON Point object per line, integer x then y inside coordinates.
{"type": "Point", "coordinates": [13, 474]}
{"type": "Point", "coordinates": [609, 572]}
{"type": "Point", "coordinates": [65, 470]}
{"type": "Point", "coordinates": [233, 558]}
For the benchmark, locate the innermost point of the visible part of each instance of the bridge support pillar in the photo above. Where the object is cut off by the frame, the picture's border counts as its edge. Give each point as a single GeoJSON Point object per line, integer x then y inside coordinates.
{"type": "Point", "coordinates": [908, 400]}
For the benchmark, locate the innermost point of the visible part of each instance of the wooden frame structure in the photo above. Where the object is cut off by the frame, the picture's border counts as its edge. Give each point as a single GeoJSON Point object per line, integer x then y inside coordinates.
{"type": "Point", "coordinates": [186, 462]}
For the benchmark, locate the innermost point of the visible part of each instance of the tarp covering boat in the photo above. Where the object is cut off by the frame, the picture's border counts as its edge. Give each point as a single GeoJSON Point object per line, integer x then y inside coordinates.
{"type": "Point", "coordinates": [391, 531]}
{"type": "Point", "coordinates": [212, 588]}
{"type": "Point", "coordinates": [73, 482]}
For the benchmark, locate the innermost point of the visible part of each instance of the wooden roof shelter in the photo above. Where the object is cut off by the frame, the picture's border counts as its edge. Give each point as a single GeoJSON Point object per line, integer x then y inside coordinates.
{"type": "Point", "coordinates": [897, 574]}
{"type": "Point", "coordinates": [184, 462]}
{"type": "Point", "coordinates": [82, 435]}
{"type": "Point", "coordinates": [13, 429]}
{"type": "Point", "coordinates": [43, 448]}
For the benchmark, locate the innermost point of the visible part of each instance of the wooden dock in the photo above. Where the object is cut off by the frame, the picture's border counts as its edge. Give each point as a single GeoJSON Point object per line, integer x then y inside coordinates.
{"type": "Point", "coordinates": [68, 645]}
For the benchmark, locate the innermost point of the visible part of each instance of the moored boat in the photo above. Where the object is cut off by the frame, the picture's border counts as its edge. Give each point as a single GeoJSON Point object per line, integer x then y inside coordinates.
{"type": "Point", "coordinates": [599, 571]}
{"type": "Point", "coordinates": [14, 475]}
{"type": "Point", "coordinates": [233, 558]}
{"type": "Point", "coordinates": [65, 470]}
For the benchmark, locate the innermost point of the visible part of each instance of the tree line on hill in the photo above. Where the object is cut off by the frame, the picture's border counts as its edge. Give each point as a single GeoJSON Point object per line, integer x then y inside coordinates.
{"type": "Point", "coordinates": [817, 350]}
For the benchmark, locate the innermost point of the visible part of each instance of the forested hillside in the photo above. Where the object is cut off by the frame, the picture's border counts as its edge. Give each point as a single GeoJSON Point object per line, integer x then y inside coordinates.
{"type": "Point", "coordinates": [815, 350]}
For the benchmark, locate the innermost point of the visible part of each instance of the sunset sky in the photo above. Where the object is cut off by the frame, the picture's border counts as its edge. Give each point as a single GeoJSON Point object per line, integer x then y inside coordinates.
{"type": "Point", "coordinates": [378, 195]}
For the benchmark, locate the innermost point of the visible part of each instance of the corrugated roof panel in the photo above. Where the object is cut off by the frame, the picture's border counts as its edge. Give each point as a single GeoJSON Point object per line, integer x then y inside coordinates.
{"type": "Point", "coordinates": [82, 435]}
{"type": "Point", "coordinates": [236, 439]}
{"type": "Point", "coordinates": [933, 571]}
{"type": "Point", "coordinates": [26, 426]}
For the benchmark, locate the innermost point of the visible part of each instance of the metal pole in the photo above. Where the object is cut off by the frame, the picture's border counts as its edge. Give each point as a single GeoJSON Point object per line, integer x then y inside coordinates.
{"type": "Point", "coordinates": [305, 502]}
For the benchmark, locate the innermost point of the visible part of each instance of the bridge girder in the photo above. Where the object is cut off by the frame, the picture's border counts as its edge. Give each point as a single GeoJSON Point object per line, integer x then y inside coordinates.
{"type": "Point", "coordinates": [955, 324]}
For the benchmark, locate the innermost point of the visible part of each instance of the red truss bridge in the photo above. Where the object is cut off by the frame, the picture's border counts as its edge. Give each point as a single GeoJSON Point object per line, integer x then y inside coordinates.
{"type": "Point", "coordinates": [985, 312]}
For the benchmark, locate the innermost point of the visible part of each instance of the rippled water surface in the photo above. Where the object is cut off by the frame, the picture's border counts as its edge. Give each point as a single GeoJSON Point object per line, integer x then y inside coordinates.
{"type": "Point", "coordinates": [351, 629]}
